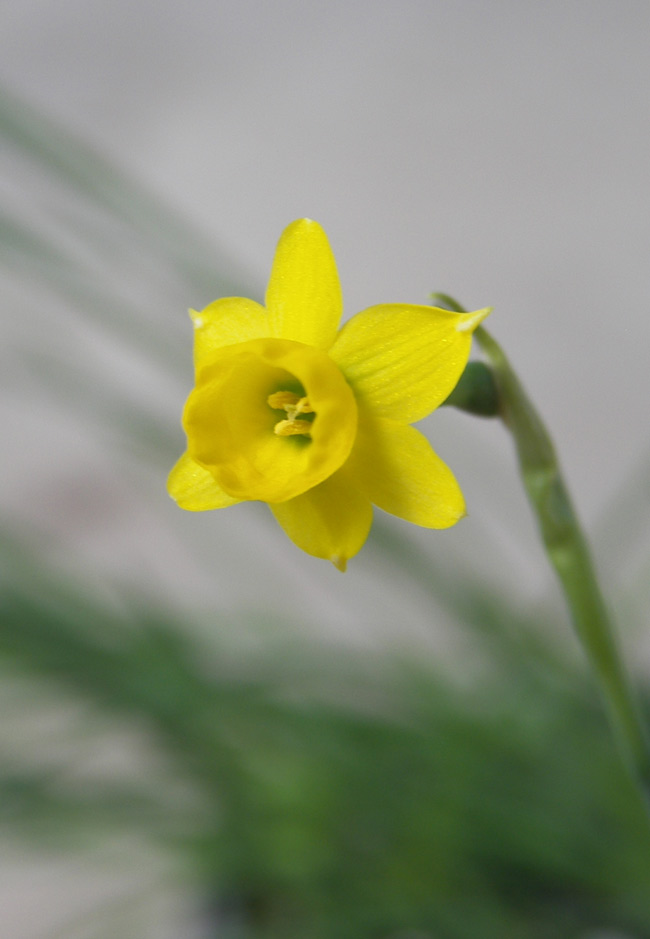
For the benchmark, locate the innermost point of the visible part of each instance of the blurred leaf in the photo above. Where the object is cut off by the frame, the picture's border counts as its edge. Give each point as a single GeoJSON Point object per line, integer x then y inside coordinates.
{"type": "Point", "coordinates": [439, 808]}
{"type": "Point", "coordinates": [88, 175]}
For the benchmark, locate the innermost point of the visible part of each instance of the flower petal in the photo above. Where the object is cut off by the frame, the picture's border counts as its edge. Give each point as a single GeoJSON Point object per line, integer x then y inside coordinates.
{"type": "Point", "coordinates": [303, 297]}
{"type": "Point", "coordinates": [194, 488]}
{"type": "Point", "coordinates": [403, 361]}
{"type": "Point", "coordinates": [330, 521]}
{"type": "Point", "coordinates": [225, 322]}
{"type": "Point", "coordinates": [396, 467]}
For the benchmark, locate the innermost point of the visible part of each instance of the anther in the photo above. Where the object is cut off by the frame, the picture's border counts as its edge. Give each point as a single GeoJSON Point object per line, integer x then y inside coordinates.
{"type": "Point", "coordinates": [282, 400]}
{"type": "Point", "coordinates": [292, 403]}
{"type": "Point", "coordinates": [292, 428]}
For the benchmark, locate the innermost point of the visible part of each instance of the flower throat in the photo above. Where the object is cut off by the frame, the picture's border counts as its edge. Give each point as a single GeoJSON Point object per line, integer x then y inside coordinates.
{"type": "Point", "coordinates": [294, 405]}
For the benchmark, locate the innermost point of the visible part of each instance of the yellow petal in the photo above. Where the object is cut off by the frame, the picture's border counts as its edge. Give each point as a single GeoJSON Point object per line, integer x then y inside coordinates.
{"type": "Point", "coordinates": [225, 322]}
{"type": "Point", "coordinates": [395, 465]}
{"type": "Point", "coordinates": [403, 361]}
{"type": "Point", "coordinates": [194, 488]}
{"type": "Point", "coordinates": [331, 521]}
{"type": "Point", "coordinates": [303, 297]}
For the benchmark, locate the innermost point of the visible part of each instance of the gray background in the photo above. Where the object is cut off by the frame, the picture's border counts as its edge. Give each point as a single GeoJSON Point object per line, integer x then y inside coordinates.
{"type": "Point", "coordinates": [497, 151]}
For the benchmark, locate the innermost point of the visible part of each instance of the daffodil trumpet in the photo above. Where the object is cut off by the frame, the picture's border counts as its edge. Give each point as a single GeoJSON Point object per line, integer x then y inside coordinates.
{"type": "Point", "coordinates": [315, 419]}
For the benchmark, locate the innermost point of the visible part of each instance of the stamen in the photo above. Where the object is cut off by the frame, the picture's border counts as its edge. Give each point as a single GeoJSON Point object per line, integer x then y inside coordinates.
{"type": "Point", "coordinates": [282, 400]}
{"type": "Point", "coordinates": [291, 403]}
{"type": "Point", "coordinates": [469, 321]}
{"type": "Point", "coordinates": [291, 428]}
{"type": "Point", "coordinates": [294, 405]}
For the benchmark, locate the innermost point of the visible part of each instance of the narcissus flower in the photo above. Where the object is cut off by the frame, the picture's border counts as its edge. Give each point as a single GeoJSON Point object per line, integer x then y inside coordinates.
{"type": "Point", "coordinates": [315, 421]}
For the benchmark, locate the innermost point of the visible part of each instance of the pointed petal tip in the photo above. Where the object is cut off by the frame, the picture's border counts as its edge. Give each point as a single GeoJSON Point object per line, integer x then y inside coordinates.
{"type": "Point", "coordinates": [198, 320]}
{"type": "Point", "coordinates": [302, 223]}
{"type": "Point", "coordinates": [458, 515]}
{"type": "Point", "coordinates": [459, 518]}
{"type": "Point", "coordinates": [467, 322]}
{"type": "Point", "coordinates": [340, 563]}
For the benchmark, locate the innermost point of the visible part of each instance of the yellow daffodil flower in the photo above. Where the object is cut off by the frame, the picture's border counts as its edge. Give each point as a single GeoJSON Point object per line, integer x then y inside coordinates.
{"type": "Point", "coordinates": [315, 421]}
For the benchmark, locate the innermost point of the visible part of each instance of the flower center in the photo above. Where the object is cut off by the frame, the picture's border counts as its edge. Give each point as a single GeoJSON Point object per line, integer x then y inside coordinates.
{"type": "Point", "coordinates": [270, 418]}
{"type": "Point", "coordinates": [294, 405]}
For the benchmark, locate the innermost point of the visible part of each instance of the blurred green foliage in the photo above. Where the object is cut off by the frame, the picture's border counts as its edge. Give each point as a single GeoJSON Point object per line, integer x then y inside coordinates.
{"type": "Point", "coordinates": [313, 790]}
{"type": "Point", "coordinates": [335, 794]}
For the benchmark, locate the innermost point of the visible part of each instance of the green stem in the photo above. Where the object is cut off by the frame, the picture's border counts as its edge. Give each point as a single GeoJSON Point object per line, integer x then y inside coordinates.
{"type": "Point", "coordinates": [568, 552]}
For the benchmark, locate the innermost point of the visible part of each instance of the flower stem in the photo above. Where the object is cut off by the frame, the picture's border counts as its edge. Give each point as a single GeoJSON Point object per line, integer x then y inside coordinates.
{"type": "Point", "coordinates": [569, 554]}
